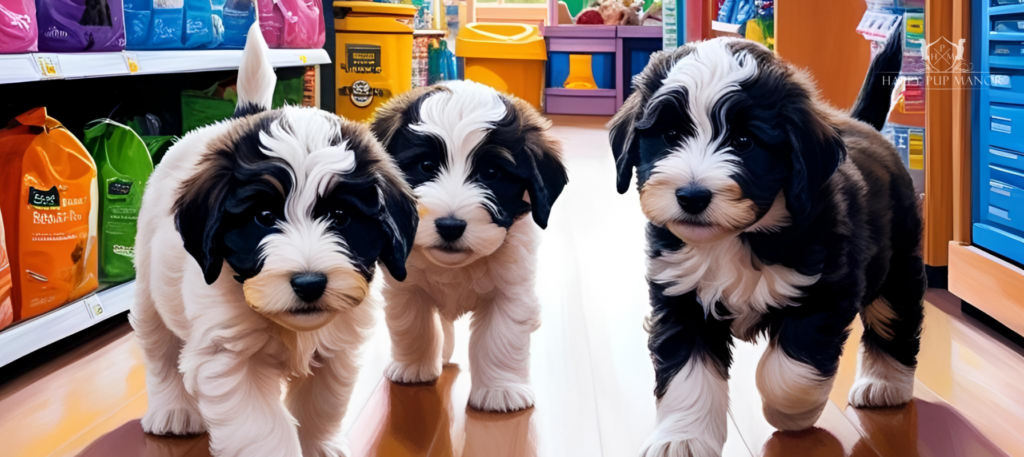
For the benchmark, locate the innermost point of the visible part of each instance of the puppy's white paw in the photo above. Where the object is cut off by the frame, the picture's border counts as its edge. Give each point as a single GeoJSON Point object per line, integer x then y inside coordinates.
{"type": "Point", "coordinates": [679, 448]}
{"type": "Point", "coordinates": [412, 373]}
{"type": "Point", "coordinates": [880, 393]}
{"type": "Point", "coordinates": [326, 449]}
{"type": "Point", "coordinates": [176, 420]}
{"type": "Point", "coordinates": [501, 399]}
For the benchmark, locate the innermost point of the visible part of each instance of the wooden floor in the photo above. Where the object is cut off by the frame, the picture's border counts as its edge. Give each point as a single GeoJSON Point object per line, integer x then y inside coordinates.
{"type": "Point", "coordinates": [590, 367]}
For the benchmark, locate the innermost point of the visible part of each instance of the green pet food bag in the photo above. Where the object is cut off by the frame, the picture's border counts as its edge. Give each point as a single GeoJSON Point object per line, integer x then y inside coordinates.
{"type": "Point", "coordinates": [123, 164]}
{"type": "Point", "coordinates": [158, 146]}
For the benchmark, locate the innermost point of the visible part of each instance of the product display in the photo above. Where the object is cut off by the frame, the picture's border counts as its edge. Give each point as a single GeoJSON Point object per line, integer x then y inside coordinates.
{"type": "Point", "coordinates": [80, 25]}
{"type": "Point", "coordinates": [123, 165]}
{"type": "Point", "coordinates": [188, 24]}
{"type": "Point", "coordinates": [292, 23]}
{"type": "Point", "coordinates": [18, 29]}
{"type": "Point", "coordinates": [216, 103]}
{"type": "Point", "coordinates": [50, 208]}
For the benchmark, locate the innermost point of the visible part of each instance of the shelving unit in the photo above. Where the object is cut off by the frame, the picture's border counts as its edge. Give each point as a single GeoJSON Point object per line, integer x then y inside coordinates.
{"type": "Point", "coordinates": [26, 337]}
{"type": "Point", "coordinates": [19, 68]}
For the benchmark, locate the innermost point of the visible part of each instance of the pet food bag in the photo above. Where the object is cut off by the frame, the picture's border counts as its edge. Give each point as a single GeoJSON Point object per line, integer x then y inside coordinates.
{"type": "Point", "coordinates": [292, 23]}
{"type": "Point", "coordinates": [49, 202]}
{"type": "Point", "coordinates": [80, 25]}
{"type": "Point", "coordinates": [18, 29]}
{"type": "Point", "coordinates": [6, 308]}
{"type": "Point", "coordinates": [158, 146]}
{"type": "Point", "coordinates": [204, 107]}
{"type": "Point", "coordinates": [123, 165]}
{"type": "Point", "coordinates": [188, 24]}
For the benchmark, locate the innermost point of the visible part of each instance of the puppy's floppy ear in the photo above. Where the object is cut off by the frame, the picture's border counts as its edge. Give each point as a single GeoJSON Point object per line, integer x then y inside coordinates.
{"type": "Point", "coordinates": [398, 217]}
{"type": "Point", "coordinates": [540, 162]}
{"type": "Point", "coordinates": [197, 216]}
{"type": "Point", "coordinates": [817, 151]}
{"type": "Point", "coordinates": [622, 128]}
{"type": "Point", "coordinates": [256, 78]}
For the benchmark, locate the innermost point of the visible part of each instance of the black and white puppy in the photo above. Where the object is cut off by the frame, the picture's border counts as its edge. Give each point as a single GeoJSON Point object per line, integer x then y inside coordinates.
{"type": "Point", "coordinates": [258, 238]}
{"type": "Point", "coordinates": [770, 213]}
{"type": "Point", "coordinates": [478, 162]}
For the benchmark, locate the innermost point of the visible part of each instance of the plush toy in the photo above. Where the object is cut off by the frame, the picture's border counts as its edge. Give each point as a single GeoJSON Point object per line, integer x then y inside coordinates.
{"type": "Point", "coordinates": [652, 16]}
{"type": "Point", "coordinates": [589, 16]}
{"type": "Point", "coordinates": [610, 12]}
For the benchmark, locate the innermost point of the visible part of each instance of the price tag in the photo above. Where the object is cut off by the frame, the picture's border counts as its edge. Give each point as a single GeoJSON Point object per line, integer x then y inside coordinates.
{"type": "Point", "coordinates": [48, 65]}
{"type": "Point", "coordinates": [302, 58]}
{"type": "Point", "coordinates": [131, 60]}
{"type": "Point", "coordinates": [93, 306]}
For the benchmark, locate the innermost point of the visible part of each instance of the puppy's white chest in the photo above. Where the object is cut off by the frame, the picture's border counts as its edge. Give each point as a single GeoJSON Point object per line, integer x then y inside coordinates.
{"type": "Point", "coordinates": [728, 272]}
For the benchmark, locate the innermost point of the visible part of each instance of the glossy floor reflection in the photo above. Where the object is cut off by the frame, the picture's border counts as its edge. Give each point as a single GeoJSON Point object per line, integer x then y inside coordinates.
{"type": "Point", "coordinates": [590, 370]}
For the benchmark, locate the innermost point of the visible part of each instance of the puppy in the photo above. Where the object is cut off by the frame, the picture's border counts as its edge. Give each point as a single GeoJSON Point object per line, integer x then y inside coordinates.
{"type": "Point", "coordinates": [478, 162]}
{"type": "Point", "coordinates": [257, 242]}
{"type": "Point", "coordinates": [770, 213]}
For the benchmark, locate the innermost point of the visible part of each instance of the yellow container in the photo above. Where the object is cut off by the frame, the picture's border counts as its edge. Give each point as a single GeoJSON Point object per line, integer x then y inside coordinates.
{"type": "Point", "coordinates": [374, 55]}
{"type": "Point", "coordinates": [507, 57]}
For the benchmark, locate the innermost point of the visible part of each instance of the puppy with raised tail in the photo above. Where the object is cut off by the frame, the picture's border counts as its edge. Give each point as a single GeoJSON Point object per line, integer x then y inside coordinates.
{"type": "Point", "coordinates": [771, 213]}
{"type": "Point", "coordinates": [258, 238]}
{"type": "Point", "coordinates": [478, 162]}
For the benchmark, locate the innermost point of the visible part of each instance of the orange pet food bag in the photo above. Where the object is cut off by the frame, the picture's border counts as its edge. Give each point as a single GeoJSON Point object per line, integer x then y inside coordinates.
{"type": "Point", "coordinates": [50, 207]}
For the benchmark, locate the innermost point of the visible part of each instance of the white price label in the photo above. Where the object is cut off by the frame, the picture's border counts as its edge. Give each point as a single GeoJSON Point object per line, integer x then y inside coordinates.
{"type": "Point", "coordinates": [131, 60]}
{"type": "Point", "coordinates": [48, 66]}
{"type": "Point", "coordinates": [93, 305]}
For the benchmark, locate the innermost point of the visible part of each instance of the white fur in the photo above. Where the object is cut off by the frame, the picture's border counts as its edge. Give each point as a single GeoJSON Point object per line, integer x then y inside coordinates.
{"type": "Point", "coordinates": [881, 380]}
{"type": "Point", "coordinates": [215, 357]}
{"type": "Point", "coordinates": [692, 415]}
{"type": "Point", "coordinates": [493, 277]}
{"type": "Point", "coordinates": [793, 393]}
{"type": "Point", "coordinates": [256, 77]}
{"type": "Point", "coordinates": [728, 272]}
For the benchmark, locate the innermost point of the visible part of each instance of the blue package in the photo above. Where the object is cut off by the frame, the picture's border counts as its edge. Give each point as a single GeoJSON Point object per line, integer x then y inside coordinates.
{"type": "Point", "coordinates": [185, 24]}
{"type": "Point", "coordinates": [239, 15]}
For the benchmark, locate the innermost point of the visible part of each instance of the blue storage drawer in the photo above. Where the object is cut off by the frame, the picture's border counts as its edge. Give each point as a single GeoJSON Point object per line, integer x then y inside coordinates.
{"type": "Point", "coordinates": [1006, 197]}
{"type": "Point", "coordinates": [1005, 158]}
{"type": "Point", "coordinates": [1006, 86]}
{"type": "Point", "coordinates": [1006, 126]}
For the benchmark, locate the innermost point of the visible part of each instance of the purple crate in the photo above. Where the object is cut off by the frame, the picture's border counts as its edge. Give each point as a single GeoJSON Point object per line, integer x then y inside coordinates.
{"type": "Point", "coordinates": [597, 102]}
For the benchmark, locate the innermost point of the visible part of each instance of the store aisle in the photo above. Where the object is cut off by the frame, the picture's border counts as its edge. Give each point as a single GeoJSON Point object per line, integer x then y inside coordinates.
{"type": "Point", "coordinates": [590, 367]}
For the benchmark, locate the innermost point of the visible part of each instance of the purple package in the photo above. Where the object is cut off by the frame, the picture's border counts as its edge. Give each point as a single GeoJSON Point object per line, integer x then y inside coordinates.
{"type": "Point", "coordinates": [17, 26]}
{"type": "Point", "coordinates": [80, 25]}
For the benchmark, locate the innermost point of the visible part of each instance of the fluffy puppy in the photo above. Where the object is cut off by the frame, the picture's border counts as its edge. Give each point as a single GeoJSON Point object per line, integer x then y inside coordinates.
{"type": "Point", "coordinates": [257, 241]}
{"type": "Point", "coordinates": [478, 162]}
{"type": "Point", "coordinates": [770, 213]}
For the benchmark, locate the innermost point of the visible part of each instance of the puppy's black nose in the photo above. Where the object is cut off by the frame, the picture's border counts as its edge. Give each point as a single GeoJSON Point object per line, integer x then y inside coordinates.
{"type": "Point", "coordinates": [450, 228]}
{"type": "Point", "coordinates": [309, 286]}
{"type": "Point", "coordinates": [693, 199]}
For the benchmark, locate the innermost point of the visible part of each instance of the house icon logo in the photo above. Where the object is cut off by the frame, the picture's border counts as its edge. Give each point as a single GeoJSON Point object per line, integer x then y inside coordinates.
{"type": "Point", "coordinates": [944, 56]}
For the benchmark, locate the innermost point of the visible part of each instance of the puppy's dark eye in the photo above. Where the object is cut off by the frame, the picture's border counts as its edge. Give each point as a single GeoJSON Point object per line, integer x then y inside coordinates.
{"type": "Point", "coordinates": [742, 143]}
{"type": "Point", "coordinates": [428, 166]}
{"type": "Point", "coordinates": [266, 219]}
{"type": "Point", "coordinates": [340, 218]}
{"type": "Point", "coordinates": [672, 137]}
{"type": "Point", "coordinates": [490, 174]}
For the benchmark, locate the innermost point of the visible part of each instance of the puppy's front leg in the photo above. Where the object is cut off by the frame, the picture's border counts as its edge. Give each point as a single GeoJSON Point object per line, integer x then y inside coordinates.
{"type": "Point", "coordinates": [238, 386]}
{"type": "Point", "coordinates": [319, 401]}
{"type": "Point", "coordinates": [692, 352]}
{"type": "Point", "coordinates": [499, 353]}
{"type": "Point", "coordinates": [415, 330]}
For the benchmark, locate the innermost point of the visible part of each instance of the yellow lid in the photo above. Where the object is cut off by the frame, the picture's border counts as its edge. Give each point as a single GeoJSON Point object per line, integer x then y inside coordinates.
{"type": "Point", "coordinates": [373, 17]}
{"type": "Point", "coordinates": [500, 41]}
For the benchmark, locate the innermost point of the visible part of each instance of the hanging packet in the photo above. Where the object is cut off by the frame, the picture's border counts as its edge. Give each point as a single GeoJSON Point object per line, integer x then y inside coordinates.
{"type": "Point", "coordinates": [18, 30]}
{"type": "Point", "coordinates": [80, 25]}
{"type": "Point", "coordinates": [123, 166]}
{"type": "Point", "coordinates": [49, 202]}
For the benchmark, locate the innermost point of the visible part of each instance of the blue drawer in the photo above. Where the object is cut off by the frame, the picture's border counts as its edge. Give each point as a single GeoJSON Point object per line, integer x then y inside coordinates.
{"type": "Point", "coordinates": [1006, 126]}
{"type": "Point", "coordinates": [1006, 197]}
{"type": "Point", "coordinates": [1006, 86]}
{"type": "Point", "coordinates": [1005, 158]}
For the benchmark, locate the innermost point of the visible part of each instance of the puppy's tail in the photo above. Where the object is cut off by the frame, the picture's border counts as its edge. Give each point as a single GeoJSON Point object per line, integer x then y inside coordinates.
{"type": "Point", "coordinates": [875, 96]}
{"type": "Point", "coordinates": [256, 78]}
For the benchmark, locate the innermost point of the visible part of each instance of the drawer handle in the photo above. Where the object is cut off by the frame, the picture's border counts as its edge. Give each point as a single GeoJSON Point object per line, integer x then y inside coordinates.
{"type": "Point", "coordinates": [999, 191]}
{"type": "Point", "coordinates": [999, 212]}
{"type": "Point", "coordinates": [1005, 119]}
{"type": "Point", "coordinates": [1005, 155]}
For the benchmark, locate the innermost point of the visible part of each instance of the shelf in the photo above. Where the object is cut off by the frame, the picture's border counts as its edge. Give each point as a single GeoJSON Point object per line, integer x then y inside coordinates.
{"type": "Point", "coordinates": [580, 92]}
{"type": "Point", "coordinates": [26, 337]}
{"type": "Point", "coordinates": [27, 67]}
{"type": "Point", "coordinates": [1007, 9]}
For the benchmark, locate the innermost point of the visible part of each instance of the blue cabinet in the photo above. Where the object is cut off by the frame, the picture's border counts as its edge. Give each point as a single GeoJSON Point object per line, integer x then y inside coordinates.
{"type": "Point", "coordinates": [998, 156]}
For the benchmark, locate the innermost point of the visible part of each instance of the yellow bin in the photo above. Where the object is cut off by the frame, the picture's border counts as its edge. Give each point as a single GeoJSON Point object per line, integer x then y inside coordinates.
{"type": "Point", "coordinates": [507, 57]}
{"type": "Point", "coordinates": [374, 55]}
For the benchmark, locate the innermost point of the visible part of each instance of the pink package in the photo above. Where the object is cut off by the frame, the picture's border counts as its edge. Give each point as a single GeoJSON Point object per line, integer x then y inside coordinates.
{"type": "Point", "coordinates": [292, 23]}
{"type": "Point", "coordinates": [18, 29]}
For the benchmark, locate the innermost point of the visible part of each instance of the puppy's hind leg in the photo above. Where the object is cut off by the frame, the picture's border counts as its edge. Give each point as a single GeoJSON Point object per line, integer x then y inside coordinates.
{"type": "Point", "coordinates": [892, 337]}
{"type": "Point", "coordinates": [171, 411]}
{"type": "Point", "coordinates": [499, 353]}
{"type": "Point", "coordinates": [415, 330]}
{"type": "Point", "coordinates": [692, 353]}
